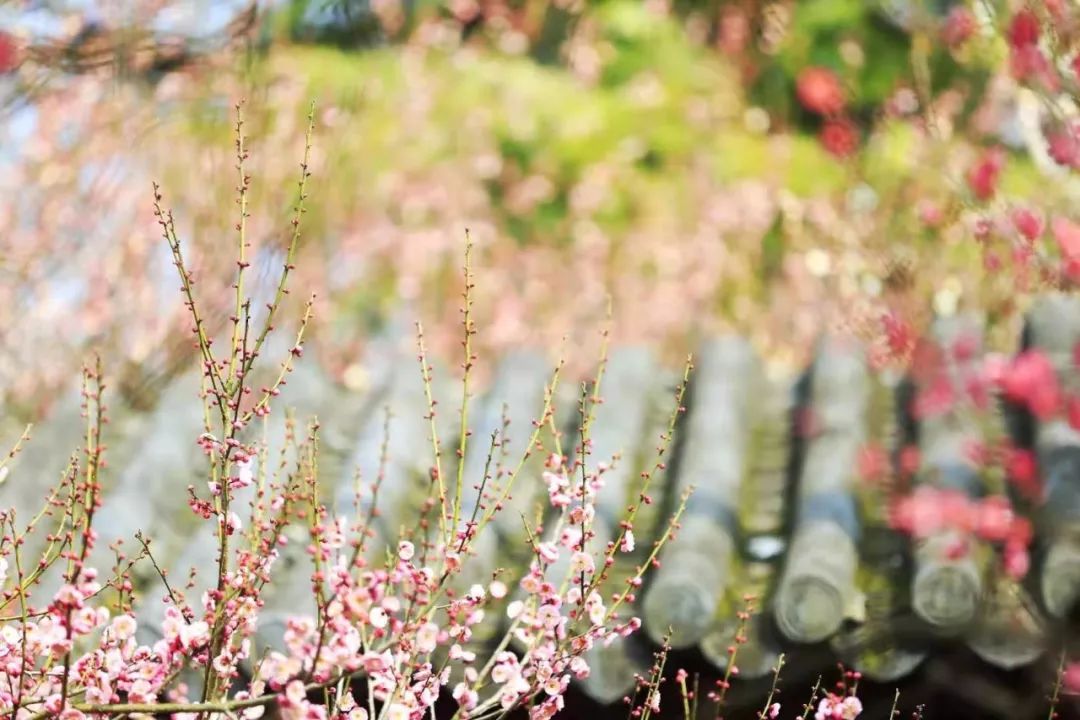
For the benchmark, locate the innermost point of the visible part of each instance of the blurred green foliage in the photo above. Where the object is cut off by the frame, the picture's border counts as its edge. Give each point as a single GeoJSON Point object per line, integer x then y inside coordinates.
{"type": "Point", "coordinates": [543, 120]}
{"type": "Point", "coordinates": [621, 173]}
{"type": "Point", "coordinates": [616, 145]}
{"type": "Point", "coordinates": [661, 110]}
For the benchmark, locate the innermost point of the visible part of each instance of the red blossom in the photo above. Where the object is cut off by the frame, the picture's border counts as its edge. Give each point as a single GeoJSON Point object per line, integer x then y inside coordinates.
{"type": "Point", "coordinates": [819, 91]}
{"type": "Point", "coordinates": [1070, 679]}
{"type": "Point", "coordinates": [839, 137]}
{"type": "Point", "coordinates": [994, 518]}
{"type": "Point", "coordinates": [958, 549]}
{"type": "Point", "coordinates": [1023, 472]}
{"type": "Point", "coordinates": [898, 335]}
{"type": "Point", "coordinates": [936, 399]}
{"type": "Point", "coordinates": [958, 509]}
{"type": "Point", "coordinates": [919, 514]}
{"type": "Point", "coordinates": [1063, 145]}
{"type": "Point", "coordinates": [1029, 63]}
{"type": "Point", "coordinates": [931, 510]}
{"type": "Point", "coordinates": [965, 347]}
{"type": "Point", "coordinates": [984, 175]}
{"type": "Point", "coordinates": [1017, 561]}
{"type": "Point", "coordinates": [910, 459]}
{"type": "Point", "coordinates": [1031, 381]}
{"type": "Point", "coordinates": [1072, 412]}
{"type": "Point", "coordinates": [1067, 235]}
{"type": "Point", "coordinates": [9, 53]}
{"type": "Point", "coordinates": [1028, 223]}
{"type": "Point", "coordinates": [1020, 532]}
{"type": "Point", "coordinates": [1024, 29]}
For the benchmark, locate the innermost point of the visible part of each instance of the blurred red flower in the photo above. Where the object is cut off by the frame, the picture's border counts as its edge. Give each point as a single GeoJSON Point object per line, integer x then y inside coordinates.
{"type": "Point", "coordinates": [910, 459]}
{"type": "Point", "coordinates": [1072, 412]}
{"type": "Point", "coordinates": [819, 91]}
{"type": "Point", "coordinates": [898, 335]}
{"type": "Point", "coordinates": [1028, 223]}
{"type": "Point", "coordinates": [1062, 145]}
{"type": "Point", "coordinates": [984, 175]}
{"type": "Point", "coordinates": [1023, 469]}
{"type": "Point", "coordinates": [1029, 63]}
{"type": "Point", "coordinates": [1017, 561]}
{"type": "Point", "coordinates": [1070, 679]}
{"type": "Point", "coordinates": [1031, 380]}
{"type": "Point", "coordinates": [1024, 29]}
{"type": "Point", "coordinates": [1067, 235]}
{"type": "Point", "coordinates": [9, 53]}
{"type": "Point", "coordinates": [840, 137]}
{"type": "Point", "coordinates": [934, 400]}
{"type": "Point", "coordinates": [994, 518]}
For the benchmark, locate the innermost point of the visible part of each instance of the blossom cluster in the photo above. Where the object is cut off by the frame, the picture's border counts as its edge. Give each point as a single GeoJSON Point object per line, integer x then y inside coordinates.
{"type": "Point", "coordinates": [820, 91]}
{"type": "Point", "coordinates": [928, 511]}
{"type": "Point", "coordinates": [386, 624]}
{"type": "Point", "coordinates": [834, 707]}
{"type": "Point", "coordinates": [954, 380]}
{"type": "Point", "coordinates": [44, 673]}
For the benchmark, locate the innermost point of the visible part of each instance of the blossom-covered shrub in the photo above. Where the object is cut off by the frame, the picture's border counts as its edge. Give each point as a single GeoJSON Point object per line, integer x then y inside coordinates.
{"type": "Point", "coordinates": [391, 623]}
